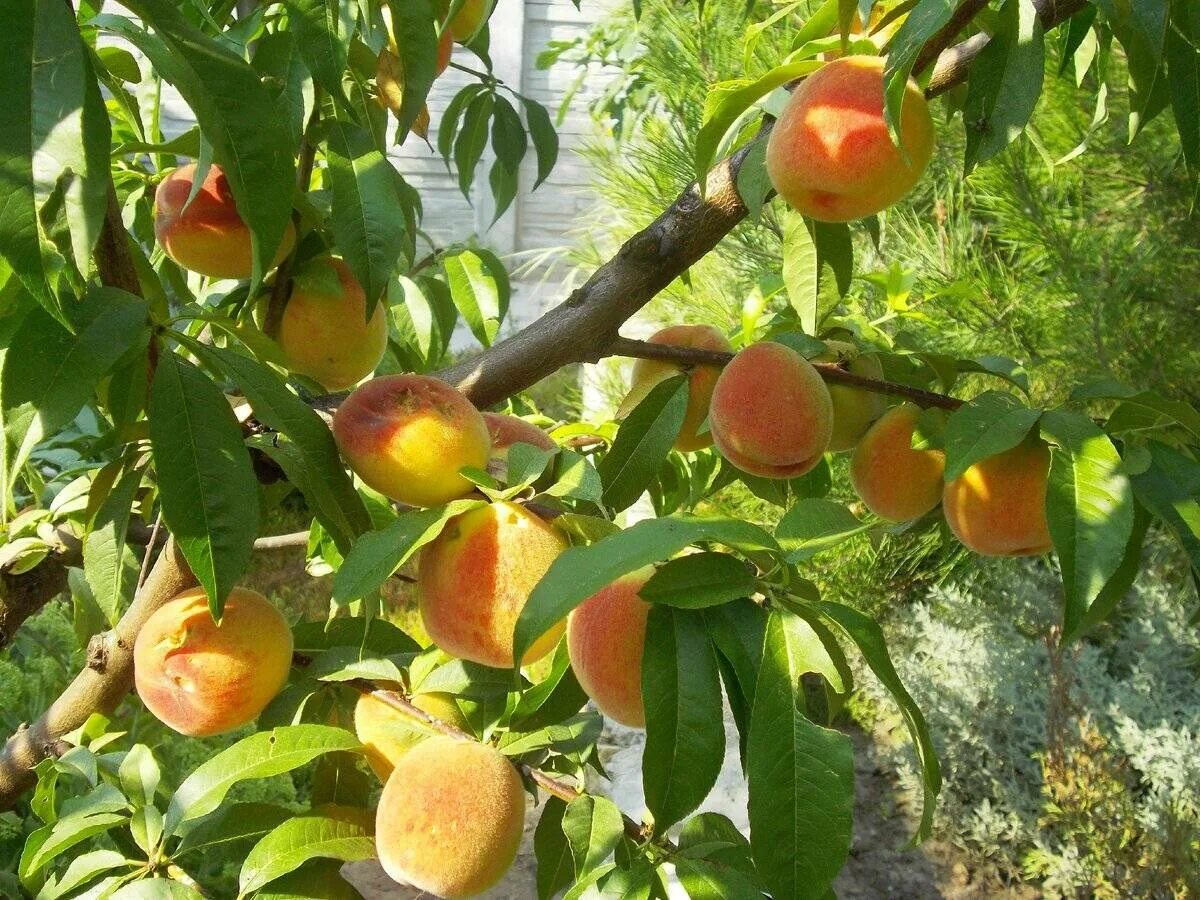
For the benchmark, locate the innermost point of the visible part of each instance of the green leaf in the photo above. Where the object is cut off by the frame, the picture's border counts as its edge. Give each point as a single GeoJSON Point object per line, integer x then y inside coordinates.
{"type": "Point", "coordinates": [509, 145]}
{"type": "Point", "coordinates": [813, 526]}
{"type": "Point", "coordinates": [49, 373]}
{"type": "Point", "coordinates": [236, 114]}
{"type": "Point", "coordinates": [643, 442]}
{"type": "Point", "coordinates": [685, 736]}
{"type": "Point", "coordinates": [260, 755]}
{"type": "Point", "coordinates": [727, 100]}
{"type": "Point", "coordinates": [990, 424]}
{"type": "Point", "coordinates": [555, 869]}
{"type": "Point", "coordinates": [1005, 82]}
{"type": "Point", "coordinates": [207, 486]}
{"type": "Point", "coordinates": [753, 184]}
{"type": "Point", "coordinates": [1141, 27]}
{"type": "Point", "coordinates": [82, 870]}
{"type": "Point", "coordinates": [1170, 489]}
{"type": "Point", "coordinates": [868, 636]}
{"type": "Point", "coordinates": [545, 138]}
{"type": "Point", "coordinates": [480, 292]}
{"type": "Point", "coordinates": [1183, 70]}
{"type": "Point", "coordinates": [1139, 409]}
{"type": "Point", "coordinates": [366, 227]}
{"type": "Point", "coordinates": [836, 250]}
{"type": "Point", "coordinates": [580, 572]}
{"type": "Point", "coordinates": [801, 776]}
{"type": "Point", "coordinates": [714, 861]}
{"type": "Point", "coordinates": [575, 735]}
{"type": "Point", "coordinates": [1089, 508]}
{"type": "Point", "coordinates": [736, 630]}
{"type": "Point", "coordinates": [377, 554]}
{"type": "Point", "coordinates": [235, 822]}
{"type": "Point", "coordinates": [109, 564]}
{"type": "Point", "coordinates": [320, 879]}
{"type": "Point", "coordinates": [554, 698]}
{"type": "Point", "coordinates": [139, 774]}
{"type": "Point", "coordinates": [800, 271]}
{"type": "Point", "coordinates": [472, 139]}
{"type": "Point", "coordinates": [50, 841]}
{"type": "Point", "coordinates": [329, 490]}
{"type": "Point", "coordinates": [417, 49]}
{"type": "Point", "coordinates": [278, 61]}
{"type": "Point", "coordinates": [298, 840]}
{"type": "Point", "coordinates": [575, 476]}
{"type": "Point", "coordinates": [156, 889]}
{"type": "Point", "coordinates": [926, 19]}
{"type": "Point", "coordinates": [1122, 578]}
{"type": "Point", "coordinates": [593, 827]}
{"type": "Point", "coordinates": [697, 580]}
{"type": "Point", "coordinates": [322, 42]}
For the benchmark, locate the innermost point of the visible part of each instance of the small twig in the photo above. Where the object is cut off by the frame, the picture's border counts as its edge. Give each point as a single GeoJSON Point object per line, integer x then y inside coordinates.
{"type": "Point", "coordinates": [562, 789]}
{"type": "Point", "coordinates": [831, 372]}
{"type": "Point", "coordinates": [282, 541]}
{"type": "Point", "coordinates": [149, 552]}
{"type": "Point", "coordinates": [281, 288]}
{"type": "Point", "coordinates": [959, 20]}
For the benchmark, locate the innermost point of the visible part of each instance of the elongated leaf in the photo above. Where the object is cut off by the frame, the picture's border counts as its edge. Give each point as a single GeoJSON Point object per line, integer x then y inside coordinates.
{"type": "Point", "coordinates": [298, 840]}
{"type": "Point", "coordinates": [1122, 578]}
{"type": "Point", "coordinates": [109, 564]}
{"type": "Point", "coordinates": [801, 776]}
{"type": "Point", "coordinates": [335, 502]}
{"type": "Point", "coordinates": [593, 828]}
{"type": "Point", "coordinates": [714, 860]}
{"type": "Point", "coordinates": [479, 293]}
{"type": "Point", "coordinates": [990, 424]}
{"type": "Point", "coordinates": [868, 636]}
{"type": "Point", "coordinates": [83, 869]}
{"type": "Point", "coordinates": [643, 442]}
{"type": "Point", "coordinates": [235, 822]}
{"type": "Point", "coordinates": [1170, 489]}
{"type": "Point", "coordinates": [278, 61]}
{"type": "Point", "coordinates": [1089, 508]}
{"type": "Point", "coordinates": [812, 526]}
{"type": "Point", "coordinates": [1183, 69]}
{"type": "Point", "coordinates": [801, 271]}
{"type": "Point", "coordinates": [581, 571]}
{"type": "Point", "coordinates": [48, 842]}
{"type": "Point", "coordinates": [156, 889]}
{"type": "Point", "coordinates": [377, 554]}
{"type": "Point", "coordinates": [698, 580]}
{"type": "Point", "coordinates": [49, 373]}
{"type": "Point", "coordinates": [260, 755]}
{"type": "Point", "coordinates": [472, 139]}
{"type": "Point", "coordinates": [322, 42]}
{"type": "Point", "coordinates": [555, 868]}
{"type": "Point", "coordinates": [509, 144]}
{"type": "Point", "coordinates": [925, 20]}
{"type": "Point", "coordinates": [685, 736]}
{"type": "Point", "coordinates": [366, 227]}
{"type": "Point", "coordinates": [416, 47]}
{"type": "Point", "coordinates": [236, 114]}
{"type": "Point", "coordinates": [1005, 82]}
{"type": "Point", "coordinates": [206, 483]}
{"type": "Point", "coordinates": [545, 138]}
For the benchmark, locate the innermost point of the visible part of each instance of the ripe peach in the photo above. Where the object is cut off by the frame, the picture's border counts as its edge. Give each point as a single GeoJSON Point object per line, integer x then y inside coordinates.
{"type": "Point", "coordinates": [387, 734]}
{"type": "Point", "coordinates": [469, 18]}
{"type": "Point", "coordinates": [605, 638]}
{"type": "Point", "coordinates": [649, 372]}
{"type": "Point", "coordinates": [771, 412]}
{"type": "Point", "coordinates": [508, 430]}
{"type": "Point", "coordinates": [325, 333]}
{"type": "Point", "coordinates": [407, 436]}
{"type": "Point", "coordinates": [830, 155]}
{"type": "Point", "coordinates": [201, 678]}
{"type": "Point", "coordinates": [853, 408]}
{"type": "Point", "coordinates": [450, 819]}
{"type": "Point", "coordinates": [894, 480]}
{"type": "Point", "coordinates": [998, 506]}
{"type": "Point", "coordinates": [475, 577]}
{"type": "Point", "coordinates": [208, 237]}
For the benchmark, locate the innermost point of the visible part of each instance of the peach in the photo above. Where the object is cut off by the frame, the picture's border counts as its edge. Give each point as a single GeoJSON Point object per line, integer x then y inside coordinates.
{"type": "Point", "coordinates": [649, 372]}
{"type": "Point", "coordinates": [771, 412]}
{"type": "Point", "coordinates": [830, 155]}
{"type": "Point", "coordinates": [450, 819]}
{"type": "Point", "coordinates": [894, 480]}
{"type": "Point", "coordinates": [202, 678]}
{"type": "Point", "coordinates": [208, 236]}
{"type": "Point", "coordinates": [853, 408]}
{"type": "Point", "coordinates": [998, 506]}
{"type": "Point", "coordinates": [508, 430]}
{"type": "Point", "coordinates": [469, 19]}
{"type": "Point", "coordinates": [387, 733]}
{"type": "Point", "coordinates": [389, 76]}
{"type": "Point", "coordinates": [474, 579]}
{"type": "Point", "coordinates": [407, 436]}
{"type": "Point", "coordinates": [325, 333]}
{"type": "Point", "coordinates": [605, 638]}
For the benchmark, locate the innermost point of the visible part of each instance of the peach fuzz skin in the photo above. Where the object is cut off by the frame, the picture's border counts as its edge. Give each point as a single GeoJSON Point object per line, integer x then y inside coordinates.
{"type": "Point", "coordinates": [407, 436]}
{"type": "Point", "coordinates": [649, 372]}
{"type": "Point", "coordinates": [771, 413]}
{"type": "Point", "coordinates": [892, 479]}
{"type": "Point", "coordinates": [200, 678]}
{"type": "Point", "coordinates": [475, 577]}
{"type": "Point", "coordinates": [853, 408]}
{"type": "Point", "coordinates": [606, 635]}
{"type": "Point", "coordinates": [508, 430]}
{"type": "Point", "coordinates": [468, 19]}
{"type": "Point", "coordinates": [998, 506]}
{"type": "Point", "coordinates": [387, 734]}
{"type": "Point", "coordinates": [450, 819]}
{"type": "Point", "coordinates": [208, 237]}
{"type": "Point", "coordinates": [830, 156]}
{"type": "Point", "coordinates": [325, 334]}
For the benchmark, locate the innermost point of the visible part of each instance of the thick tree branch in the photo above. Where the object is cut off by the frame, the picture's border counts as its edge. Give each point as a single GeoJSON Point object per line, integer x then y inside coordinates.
{"type": "Point", "coordinates": [831, 372]}
{"type": "Point", "coordinates": [100, 687]}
